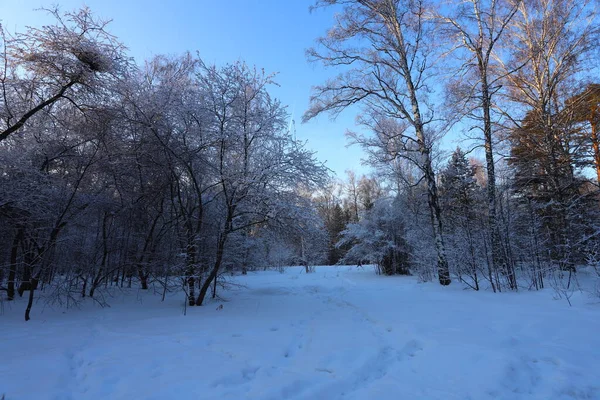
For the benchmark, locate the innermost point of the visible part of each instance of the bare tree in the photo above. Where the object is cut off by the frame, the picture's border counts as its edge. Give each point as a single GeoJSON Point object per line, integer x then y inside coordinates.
{"type": "Point", "coordinates": [352, 192]}
{"type": "Point", "coordinates": [475, 28]}
{"type": "Point", "coordinates": [45, 65]}
{"type": "Point", "coordinates": [256, 162]}
{"type": "Point", "coordinates": [385, 49]}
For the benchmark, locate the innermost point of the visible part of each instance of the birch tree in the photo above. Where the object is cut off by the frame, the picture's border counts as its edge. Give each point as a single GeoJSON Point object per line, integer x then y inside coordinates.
{"type": "Point", "coordinates": [385, 49]}
{"type": "Point", "coordinates": [475, 28]}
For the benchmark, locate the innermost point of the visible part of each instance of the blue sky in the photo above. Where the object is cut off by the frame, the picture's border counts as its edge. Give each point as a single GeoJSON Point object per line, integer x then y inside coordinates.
{"type": "Point", "coordinates": [271, 34]}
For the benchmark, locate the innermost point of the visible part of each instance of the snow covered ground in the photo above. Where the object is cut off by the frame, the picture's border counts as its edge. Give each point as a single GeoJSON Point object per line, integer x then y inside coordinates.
{"type": "Point", "coordinates": [339, 333]}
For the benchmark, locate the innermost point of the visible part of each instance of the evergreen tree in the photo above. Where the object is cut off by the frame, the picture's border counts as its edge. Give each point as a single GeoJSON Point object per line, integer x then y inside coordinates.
{"type": "Point", "coordinates": [335, 225]}
{"type": "Point", "coordinates": [462, 200]}
{"type": "Point", "coordinates": [546, 153]}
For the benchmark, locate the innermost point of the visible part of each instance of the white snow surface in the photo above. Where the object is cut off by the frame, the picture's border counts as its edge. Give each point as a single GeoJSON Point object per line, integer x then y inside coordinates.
{"type": "Point", "coordinates": [338, 333]}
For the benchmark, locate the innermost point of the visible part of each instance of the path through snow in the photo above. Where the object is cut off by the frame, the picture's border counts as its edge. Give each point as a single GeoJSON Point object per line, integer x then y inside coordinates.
{"type": "Point", "coordinates": [340, 333]}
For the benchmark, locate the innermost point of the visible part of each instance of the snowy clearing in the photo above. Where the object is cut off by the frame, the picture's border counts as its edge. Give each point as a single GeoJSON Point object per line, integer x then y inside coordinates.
{"type": "Point", "coordinates": [340, 332]}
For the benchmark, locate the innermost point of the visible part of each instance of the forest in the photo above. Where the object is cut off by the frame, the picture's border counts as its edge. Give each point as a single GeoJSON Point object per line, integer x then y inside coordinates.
{"type": "Point", "coordinates": [172, 175]}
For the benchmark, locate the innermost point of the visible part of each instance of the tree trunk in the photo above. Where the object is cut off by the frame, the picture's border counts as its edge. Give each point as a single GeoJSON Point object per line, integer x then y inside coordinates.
{"type": "Point", "coordinates": [489, 266]}
{"type": "Point", "coordinates": [207, 283]}
{"type": "Point", "coordinates": [595, 122]}
{"type": "Point", "coordinates": [95, 283]}
{"type": "Point", "coordinates": [99, 276]}
{"type": "Point", "coordinates": [84, 288]}
{"type": "Point", "coordinates": [25, 280]}
{"type": "Point", "coordinates": [433, 201]}
{"type": "Point", "coordinates": [191, 282]}
{"type": "Point", "coordinates": [216, 266]}
{"type": "Point", "coordinates": [496, 259]}
{"type": "Point", "coordinates": [432, 194]}
{"type": "Point", "coordinates": [143, 280]}
{"type": "Point", "coordinates": [436, 222]}
{"type": "Point", "coordinates": [12, 272]}
{"type": "Point", "coordinates": [214, 292]}
{"type": "Point", "coordinates": [33, 286]}
{"type": "Point", "coordinates": [122, 276]}
{"type": "Point", "coordinates": [191, 267]}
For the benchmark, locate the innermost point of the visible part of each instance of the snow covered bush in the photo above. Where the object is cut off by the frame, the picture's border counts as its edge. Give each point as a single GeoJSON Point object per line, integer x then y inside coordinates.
{"type": "Point", "coordinates": [379, 238]}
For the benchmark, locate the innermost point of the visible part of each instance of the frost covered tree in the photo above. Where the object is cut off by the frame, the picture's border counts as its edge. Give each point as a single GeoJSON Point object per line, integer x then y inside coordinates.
{"type": "Point", "coordinates": [369, 191]}
{"type": "Point", "coordinates": [476, 30]}
{"type": "Point", "coordinates": [256, 162]}
{"type": "Point", "coordinates": [165, 107]}
{"type": "Point", "coordinates": [49, 183]}
{"type": "Point", "coordinates": [379, 238]}
{"type": "Point", "coordinates": [351, 187]}
{"type": "Point", "coordinates": [114, 174]}
{"type": "Point", "coordinates": [335, 210]}
{"type": "Point", "coordinates": [55, 63]}
{"type": "Point", "coordinates": [385, 49]}
{"type": "Point", "coordinates": [554, 42]}
{"type": "Point", "coordinates": [461, 199]}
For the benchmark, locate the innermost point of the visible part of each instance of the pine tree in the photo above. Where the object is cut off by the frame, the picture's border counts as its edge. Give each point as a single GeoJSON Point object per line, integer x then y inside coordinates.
{"type": "Point", "coordinates": [335, 225]}
{"type": "Point", "coordinates": [459, 184]}
{"type": "Point", "coordinates": [461, 201]}
{"type": "Point", "coordinates": [545, 153]}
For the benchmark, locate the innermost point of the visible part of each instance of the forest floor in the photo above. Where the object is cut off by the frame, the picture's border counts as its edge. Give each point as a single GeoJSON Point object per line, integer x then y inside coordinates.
{"type": "Point", "coordinates": [338, 333]}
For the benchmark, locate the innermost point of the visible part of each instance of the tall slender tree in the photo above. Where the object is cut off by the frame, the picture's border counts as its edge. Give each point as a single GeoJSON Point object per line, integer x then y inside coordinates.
{"type": "Point", "coordinates": [385, 50]}
{"type": "Point", "coordinates": [476, 28]}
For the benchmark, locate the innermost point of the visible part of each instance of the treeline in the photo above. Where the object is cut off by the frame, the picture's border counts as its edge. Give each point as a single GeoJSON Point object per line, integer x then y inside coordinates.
{"type": "Point", "coordinates": [542, 241]}
{"type": "Point", "coordinates": [517, 78]}
{"type": "Point", "coordinates": [166, 174]}
{"type": "Point", "coordinates": [169, 174]}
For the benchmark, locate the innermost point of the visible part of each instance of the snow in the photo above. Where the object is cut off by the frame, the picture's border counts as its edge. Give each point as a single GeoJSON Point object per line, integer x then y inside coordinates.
{"type": "Point", "coordinates": [338, 333]}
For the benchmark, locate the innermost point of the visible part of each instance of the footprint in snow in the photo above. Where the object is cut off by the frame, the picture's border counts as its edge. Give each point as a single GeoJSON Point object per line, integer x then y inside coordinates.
{"type": "Point", "coordinates": [295, 345]}
{"type": "Point", "coordinates": [241, 377]}
{"type": "Point", "coordinates": [412, 347]}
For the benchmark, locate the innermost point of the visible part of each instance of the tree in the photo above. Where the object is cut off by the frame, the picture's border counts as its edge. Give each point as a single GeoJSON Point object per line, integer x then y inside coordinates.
{"type": "Point", "coordinates": [460, 196]}
{"type": "Point", "coordinates": [45, 65]}
{"type": "Point", "coordinates": [46, 189]}
{"type": "Point", "coordinates": [328, 202]}
{"type": "Point", "coordinates": [552, 42]}
{"type": "Point", "coordinates": [166, 103]}
{"type": "Point", "coordinates": [369, 191]}
{"type": "Point", "coordinates": [379, 238]}
{"type": "Point", "coordinates": [352, 193]}
{"type": "Point", "coordinates": [385, 49]}
{"type": "Point", "coordinates": [335, 224]}
{"type": "Point", "coordinates": [585, 106]}
{"type": "Point", "coordinates": [476, 28]}
{"type": "Point", "coordinates": [256, 162]}
{"type": "Point", "coordinates": [168, 173]}
{"type": "Point", "coordinates": [545, 160]}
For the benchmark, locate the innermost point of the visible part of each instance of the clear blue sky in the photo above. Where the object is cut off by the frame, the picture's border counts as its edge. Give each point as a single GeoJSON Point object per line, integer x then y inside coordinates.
{"type": "Point", "coordinates": [271, 34]}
